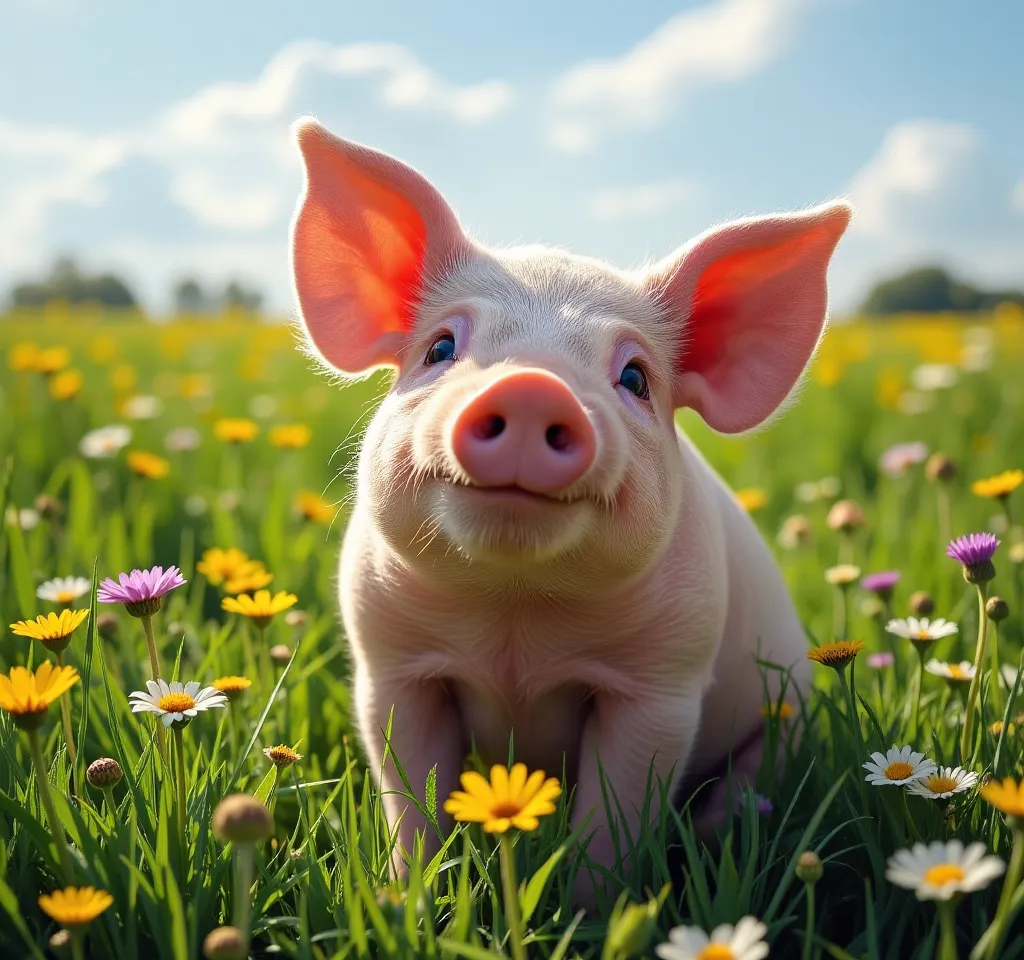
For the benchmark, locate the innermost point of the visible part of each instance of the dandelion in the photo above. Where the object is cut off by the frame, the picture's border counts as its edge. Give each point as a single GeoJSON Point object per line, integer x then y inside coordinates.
{"type": "Point", "coordinates": [290, 436]}
{"type": "Point", "coordinates": [75, 906]}
{"type": "Point", "coordinates": [105, 442]}
{"type": "Point", "coordinates": [895, 461]}
{"type": "Point", "coordinates": [63, 590]}
{"type": "Point", "coordinates": [52, 360]}
{"type": "Point", "coordinates": [744, 941]}
{"type": "Point", "coordinates": [23, 357]}
{"type": "Point", "coordinates": [232, 687]}
{"type": "Point", "coordinates": [236, 429]}
{"type": "Point", "coordinates": [147, 465]}
{"type": "Point", "coordinates": [260, 607]}
{"type": "Point", "coordinates": [66, 384]}
{"type": "Point", "coordinates": [751, 498]}
{"type": "Point", "coordinates": [182, 439]}
{"type": "Point", "coordinates": [945, 782]}
{"type": "Point", "coordinates": [313, 508]}
{"type": "Point", "coordinates": [898, 766]}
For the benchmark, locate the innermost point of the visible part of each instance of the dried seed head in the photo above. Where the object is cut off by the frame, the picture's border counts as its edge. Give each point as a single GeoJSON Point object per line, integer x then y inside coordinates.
{"type": "Point", "coordinates": [809, 867]}
{"type": "Point", "coordinates": [225, 943]}
{"type": "Point", "coordinates": [241, 818]}
{"type": "Point", "coordinates": [922, 604]}
{"type": "Point", "coordinates": [104, 772]}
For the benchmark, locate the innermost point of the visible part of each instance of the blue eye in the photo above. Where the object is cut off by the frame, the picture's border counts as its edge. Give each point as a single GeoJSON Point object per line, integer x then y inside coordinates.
{"type": "Point", "coordinates": [634, 380]}
{"type": "Point", "coordinates": [443, 348]}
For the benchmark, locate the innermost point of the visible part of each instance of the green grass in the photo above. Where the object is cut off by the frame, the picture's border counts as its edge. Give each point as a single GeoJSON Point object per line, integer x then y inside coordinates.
{"type": "Point", "coordinates": [322, 889]}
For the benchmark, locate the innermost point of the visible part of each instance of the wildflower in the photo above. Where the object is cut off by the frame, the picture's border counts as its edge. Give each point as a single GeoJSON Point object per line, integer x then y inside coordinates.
{"type": "Point", "coordinates": [75, 906]}
{"type": "Point", "coordinates": [510, 799]}
{"type": "Point", "coordinates": [148, 465]}
{"type": "Point", "coordinates": [280, 653]}
{"type": "Point", "coordinates": [975, 551]}
{"type": "Point", "coordinates": [219, 565]}
{"type": "Point", "coordinates": [225, 943]}
{"type": "Point", "coordinates": [1007, 796]}
{"type": "Point", "coordinates": [66, 384]}
{"type": "Point", "coordinates": [809, 868]}
{"type": "Point", "coordinates": [815, 490]}
{"type": "Point", "coordinates": [26, 695]}
{"type": "Point", "coordinates": [934, 376]}
{"type": "Point", "coordinates": [141, 591]}
{"type": "Point", "coordinates": [783, 710]}
{"type": "Point", "coordinates": [845, 516]}
{"type": "Point", "coordinates": [940, 468]}
{"type": "Point", "coordinates": [282, 756]}
{"type": "Point", "coordinates": [895, 461]}
{"type": "Point", "coordinates": [898, 766]}
{"type": "Point", "coordinates": [104, 772]}
{"type": "Point", "coordinates": [996, 728]}
{"type": "Point", "coordinates": [232, 687]}
{"type": "Point", "coordinates": [943, 783]}
{"type": "Point", "coordinates": [260, 607]}
{"type": "Point", "coordinates": [23, 357]}
{"type": "Point", "coordinates": [181, 439]}
{"type": "Point", "coordinates": [105, 442]}
{"type": "Point", "coordinates": [836, 655]}
{"type": "Point", "coordinates": [235, 430]}
{"type": "Point", "coordinates": [922, 603]}
{"type": "Point", "coordinates": [63, 590]}
{"type": "Point", "coordinates": [240, 818]}
{"type": "Point", "coordinates": [52, 360]}
{"type": "Point", "coordinates": [176, 703]}
{"type": "Point", "coordinates": [313, 508]}
{"type": "Point", "coordinates": [842, 575]}
{"type": "Point", "coordinates": [1000, 486]}
{"type": "Point", "coordinates": [881, 660]}
{"type": "Point", "coordinates": [290, 436]}
{"type": "Point", "coordinates": [250, 578]}
{"type": "Point", "coordinates": [296, 618]}
{"type": "Point", "coordinates": [52, 630]}
{"type": "Point", "coordinates": [921, 632]}
{"type": "Point", "coordinates": [794, 532]}
{"type": "Point", "coordinates": [142, 407]}
{"type": "Point", "coordinates": [745, 941]}
{"type": "Point", "coordinates": [941, 870]}
{"type": "Point", "coordinates": [751, 498]}
{"type": "Point", "coordinates": [882, 584]}
{"type": "Point", "coordinates": [997, 609]}
{"type": "Point", "coordinates": [962, 672]}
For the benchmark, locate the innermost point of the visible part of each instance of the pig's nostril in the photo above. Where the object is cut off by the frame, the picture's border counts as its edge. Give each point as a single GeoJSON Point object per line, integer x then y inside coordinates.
{"type": "Point", "coordinates": [558, 437]}
{"type": "Point", "coordinates": [487, 428]}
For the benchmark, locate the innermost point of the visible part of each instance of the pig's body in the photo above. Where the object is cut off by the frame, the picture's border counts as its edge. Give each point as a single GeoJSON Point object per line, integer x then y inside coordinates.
{"type": "Point", "coordinates": [535, 550]}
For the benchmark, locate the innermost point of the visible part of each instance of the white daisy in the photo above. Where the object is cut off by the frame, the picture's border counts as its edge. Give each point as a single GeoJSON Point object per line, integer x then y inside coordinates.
{"type": "Point", "coordinates": [64, 590]}
{"type": "Point", "coordinates": [176, 703]}
{"type": "Point", "coordinates": [921, 629]}
{"type": "Point", "coordinates": [26, 517]}
{"type": "Point", "coordinates": [940, 870]}
{"type": "Point", "coordinates": [745, 941]}
{"type": "Point", "coordinates": [943, 783]}
{"type": "Point", "coordinates": [142, 407]}
{"type": "Point", "coordinates": [897, 767]}
{"type": "Point", "coordinates": [105, 442]}
{"type": "Point", "coordinates": [962, 672]}
{"type": "Point", "coordinates": [1009, 675]}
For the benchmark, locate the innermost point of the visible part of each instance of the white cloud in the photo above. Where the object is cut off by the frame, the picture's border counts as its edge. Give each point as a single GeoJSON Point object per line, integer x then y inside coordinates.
{"type": "Point", "coordinates": [723, 41]}
{"type": "Point", "coordinates": [225, 207]}
{"type": "Point", "coordinates": [638, 200]}
{"type": "Point", "coordinates": [917, 161]}
{"type": "Point", "coordinates": [1017, 201]}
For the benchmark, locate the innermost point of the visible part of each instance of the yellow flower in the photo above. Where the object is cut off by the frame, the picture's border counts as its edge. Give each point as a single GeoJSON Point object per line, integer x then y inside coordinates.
{"type": "Point", "coordinates": [232, 687]}
{"type": "Point", "coordinates": [290, 436]}
{"type": "Point", "coordinates": [148, 465]}
{"type": "Point", "coordinates": [27, 695]}
{"type": "Point", "coordinates": [53, 630]}
{"type": "Point", "coordinates": [193, 386]}
{"type": "Point", "coordinates": [250, 578]}
{"type": "Point", "coordinates": [842, 575]}
{"type": "Point", "coordinates": [52, 359]}
{"type": "Point", "coordinates": [75, 906]}
{"type": "Point", "coordinates": [66, 384]}
{"type": "Point", "coordinates": [782, 710]}
{"type": "Point", "coordinates": [261, 607]}
{"type": "Point", "coordinates": [1007, 796]}
{"type": "Point", "coordinates": [996, 728]}
{"type": "Point", "coordinates": [1000, 486]}
{"type": "Point", "coordinates": [313, 508]}
{"type": "Point", "coordinates": [282, 756]}
{"type": "Point", "coordinates": [836, 655]}
{"type": "Point", "coordinates": [24, 357]}
{"type": "Point", "coordinates": [219, 565]}
{"type": "Point", "coordinates": [511, 799]}
{"type": "Point", "coordinates": [235, 429]}
{"type": "Point", "coordinates": [751, 498]}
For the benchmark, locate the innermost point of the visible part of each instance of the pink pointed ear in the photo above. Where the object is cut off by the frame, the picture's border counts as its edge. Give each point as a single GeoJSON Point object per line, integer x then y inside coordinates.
{"type": "Point", "coordinates": [750, 302]}
{"type": "Point", "coordinates": [367, 234]}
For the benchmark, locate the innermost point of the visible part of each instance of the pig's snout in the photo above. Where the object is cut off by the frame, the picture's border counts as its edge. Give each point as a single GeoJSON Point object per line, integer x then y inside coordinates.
{"type": "Point", "coordinates": [526, 429]}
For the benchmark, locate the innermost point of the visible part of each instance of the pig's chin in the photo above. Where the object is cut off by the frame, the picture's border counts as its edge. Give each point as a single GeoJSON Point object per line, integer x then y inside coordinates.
{"type": "Point", "coordinates": [510, 523]}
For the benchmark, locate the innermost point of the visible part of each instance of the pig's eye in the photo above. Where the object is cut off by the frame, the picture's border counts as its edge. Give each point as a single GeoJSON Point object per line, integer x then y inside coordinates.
{"type": "Point", "coordinates": [443, 348]}
{"type": "Point", "coordinates": [634, 380]}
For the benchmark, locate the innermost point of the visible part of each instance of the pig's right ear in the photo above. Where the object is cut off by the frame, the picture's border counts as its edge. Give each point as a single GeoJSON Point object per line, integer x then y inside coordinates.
{"type": "Point", "coordinates": [367, 233]}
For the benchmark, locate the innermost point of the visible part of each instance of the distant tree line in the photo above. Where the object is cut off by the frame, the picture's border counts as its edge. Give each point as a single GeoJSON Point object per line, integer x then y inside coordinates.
{"type": "Point", "coordinates": [933, 290]}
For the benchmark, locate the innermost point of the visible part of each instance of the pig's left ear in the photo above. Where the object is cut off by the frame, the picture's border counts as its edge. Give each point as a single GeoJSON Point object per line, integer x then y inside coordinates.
{"type": "Point", "coordinates": [749, 300]}
{"type": "Point", "coordinates": [369, 231]}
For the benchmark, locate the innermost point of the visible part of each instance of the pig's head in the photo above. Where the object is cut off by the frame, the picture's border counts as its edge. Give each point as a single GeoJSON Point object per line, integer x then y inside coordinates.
{"type": "Point", "coordinates": [531, 420]}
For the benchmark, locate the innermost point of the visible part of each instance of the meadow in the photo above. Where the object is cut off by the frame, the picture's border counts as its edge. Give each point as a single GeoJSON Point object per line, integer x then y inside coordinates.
{"type": "Point", "coordinates": [233, 441]}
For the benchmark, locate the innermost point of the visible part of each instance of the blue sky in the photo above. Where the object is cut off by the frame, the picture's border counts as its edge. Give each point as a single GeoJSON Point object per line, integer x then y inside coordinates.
{"type": "Point", "coordinates": [153, 138]}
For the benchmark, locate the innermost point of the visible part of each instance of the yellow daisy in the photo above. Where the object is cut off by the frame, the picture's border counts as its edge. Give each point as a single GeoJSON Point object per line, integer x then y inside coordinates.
{"type": "Point", "coordinates": [219, 565]}
{"type": "Point", "coordinates": [260, 607]}
{"type": "Point", "coordinates": [751, 498]}
{"type": "Point", "coordinates": [1000, 486]}
{"type": "Point", "coordinates": [53, 630]}
{"type": "Point", "coordinates": [26, 695]}
{"type": "Point", "coordinates": [148, 465]}
{"type": "Point", "coordinates": [250, 578]}
{"type": "Point", "coordinates": [75, 906]}
{"type": "Point", "coordinates": [1007, 796]}
{"type": "Point", "coordinates": [232, 687]}
{"type": "Point", "coordinates": [66, 384]}
{"type": "Point", "coordinates": [313, 508]}
{"type": "Point", "coordinates": [290, 436]}
{"type": "Point", "coordinates": [510, 799]}
{"type": "Point", "coordinates": [236, 429]}
{"type": "Point", "coordinates": [836, 655]}
{"type": "Point", "coordinates": [52, 359]}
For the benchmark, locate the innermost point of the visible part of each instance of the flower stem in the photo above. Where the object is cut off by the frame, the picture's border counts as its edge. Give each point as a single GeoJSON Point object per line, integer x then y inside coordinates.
{"type": "Point", "coordinates": [51, 811]}
{"type": "Point", "coordinates": [244, 870]}
{"type": "Point", "coordinates": [1013, 876]}
{"type": "Point", "coordinates": [809, 927]}
{"type": "Point", "coordinates": [273, 790]}
{"type": "Point", "coordinates": [848, 687]}
{"type": "Point", "coordinates": [947, 931]}
{"type": "Point", "coordinates": [108, 796]}
{"type": "Point", "coordinates": [65, 714]}
{"type": "Point", "coordinates": [994, 685]}
{"type": "Point", "coordinates": [179, 761]}
{"type": "Point", "coordinates": [509, 887]}
{"type": "Point", "coordinates": [77, 944]}
{"type": "Point", "coordinates": [154, 659]}
{"type": "Point", "coordinates": [917, 695]}
{"type": "Point", "coordinates": [979, 655]}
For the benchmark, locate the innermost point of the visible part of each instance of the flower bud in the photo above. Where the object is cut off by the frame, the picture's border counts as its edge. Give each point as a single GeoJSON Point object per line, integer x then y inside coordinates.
{"type": "Point", "coordinates": [809, 867]}
{"type": "Point", "coordinates": [104, 772]}
{"type": "Point", "coordinates": [922, 604]}
{"type": "Point", "coordinates": [940, 468]}
{"type": "Point", "coordinates": [845, 516]}
{"type": "Point", "coordinates": [241, 818]}
{"type": "Point", "coordinates": [629, 933]}
{"type": "Point", "coordinates": [60, 942]}
{"type": "Point", "coordinates": [280, 653]}
{"type": "Point", "coordinates": [49, 508]}
{"type": "Point", "coordinates": [296, 618]}
{"type": "Point", "coordinates": [225, 943]}
{"type": "Point", "coordinates": [980, 572]}
{"type": "Point", "coordinates": [107, 624]}
{"type": "Point", "coordinates": [997, 609]}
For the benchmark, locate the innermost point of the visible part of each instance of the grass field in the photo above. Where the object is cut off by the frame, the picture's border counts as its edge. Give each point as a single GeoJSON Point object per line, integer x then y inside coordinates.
{"type": "Point", "coordinates": [320, 886]}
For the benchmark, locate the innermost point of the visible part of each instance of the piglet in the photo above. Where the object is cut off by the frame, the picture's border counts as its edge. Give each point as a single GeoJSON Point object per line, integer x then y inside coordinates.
{"type": "Point", "coordinates": [535, 548]}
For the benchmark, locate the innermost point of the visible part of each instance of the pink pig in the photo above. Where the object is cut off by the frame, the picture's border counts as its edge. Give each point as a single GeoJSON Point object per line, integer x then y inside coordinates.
{"type": "Point", "coordinates": [535, 548]}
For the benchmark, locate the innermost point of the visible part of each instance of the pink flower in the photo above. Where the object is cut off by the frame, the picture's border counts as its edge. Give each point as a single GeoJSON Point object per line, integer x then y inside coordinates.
{"type": "Point", "coordinates": [880, 660]}
{"type": "Point", "coordinates": [140, 591]}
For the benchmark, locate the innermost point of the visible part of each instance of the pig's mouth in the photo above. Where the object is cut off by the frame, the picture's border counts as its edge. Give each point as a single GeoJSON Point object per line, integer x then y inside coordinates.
{"type": "Point", "coordinates": [512, 494]}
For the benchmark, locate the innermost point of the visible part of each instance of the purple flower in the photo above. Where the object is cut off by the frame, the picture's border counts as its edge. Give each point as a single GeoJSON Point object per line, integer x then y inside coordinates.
{"type": "Point", "coordinates": [881, 660]}
{"type": "Point", "coordinates": [882, 583]}
{"type": "Point", "coordinates": [140, 591]}
{"type": "Point", "coordinates": [975, 552]}
{"type": "Point", "coordinates": [895, 461]}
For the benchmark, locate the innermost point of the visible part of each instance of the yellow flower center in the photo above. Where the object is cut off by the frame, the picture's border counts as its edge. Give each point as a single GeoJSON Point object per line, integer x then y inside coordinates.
{"type": "Point", "coordinates": [898, 771]}
{"type": "Point", "coordinates": [716, 951]}
{"type": "Point", "coordinates": [66, 596]}
{"type": "Point", "coordinates": [923, 635]}
{"type": "Point", "coordinates": [176, 703]}
{"type": "Point", "coordinates": [939, 784]}
{"type": "Point", "coordinates": [505, 809]}
{"type": "Point", "coordinates": [943, 873]}
{"type": "Point", "coordinates": [956, 673]}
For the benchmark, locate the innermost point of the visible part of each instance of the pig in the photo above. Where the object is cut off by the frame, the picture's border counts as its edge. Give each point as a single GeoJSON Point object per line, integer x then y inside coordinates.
{"type": "Point", "coordinates": [535, 548]}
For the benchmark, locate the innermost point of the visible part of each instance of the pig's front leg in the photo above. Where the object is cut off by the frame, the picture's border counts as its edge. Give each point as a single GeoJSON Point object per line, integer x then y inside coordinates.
{"type": "Point", "coordinates": [621, 739]}
{"type": "Point", "coordinates": [424, 733]}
